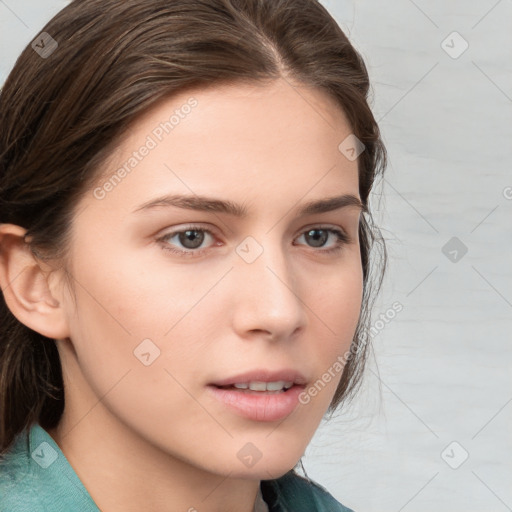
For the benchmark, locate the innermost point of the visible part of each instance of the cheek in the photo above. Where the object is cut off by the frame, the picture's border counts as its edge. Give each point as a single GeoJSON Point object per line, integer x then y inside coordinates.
{"type": "Point", "coordinates": [120, 327]}
{"type": "Point", "coordinates": [337, 310]}
{"type": "Point", "coordinates": [338, 298]}
{"type": "Point", "coordinates": [124, 301]}
{"type": "Point", "coordinates": [127, 295]}
{"type": "Point", "coordinates": [105, 324]}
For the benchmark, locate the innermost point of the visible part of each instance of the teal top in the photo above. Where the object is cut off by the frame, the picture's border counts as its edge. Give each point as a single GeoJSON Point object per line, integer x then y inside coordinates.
{"type": "Point", "coordinates": [35, 476]}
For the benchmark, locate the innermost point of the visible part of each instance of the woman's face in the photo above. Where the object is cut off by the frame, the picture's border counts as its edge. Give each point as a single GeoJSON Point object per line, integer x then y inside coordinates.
{"type": "Point", "coordinates": [172, 300]}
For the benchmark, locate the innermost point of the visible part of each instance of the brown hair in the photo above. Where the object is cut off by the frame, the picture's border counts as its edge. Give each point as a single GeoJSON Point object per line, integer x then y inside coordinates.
{"type": "Point", "coordinates": [60, 117]}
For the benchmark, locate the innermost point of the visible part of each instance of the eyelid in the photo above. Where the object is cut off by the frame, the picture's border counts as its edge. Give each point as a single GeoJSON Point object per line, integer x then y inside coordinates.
{"type": "Point", "coordinates": [189, 227]}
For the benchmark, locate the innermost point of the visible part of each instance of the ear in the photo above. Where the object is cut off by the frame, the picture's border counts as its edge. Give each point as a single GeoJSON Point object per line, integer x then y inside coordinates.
{"type": "Point", "coordinates": [25, 286]}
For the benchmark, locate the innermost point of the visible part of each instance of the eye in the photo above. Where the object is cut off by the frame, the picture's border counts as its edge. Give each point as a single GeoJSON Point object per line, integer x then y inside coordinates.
{"type": "Point", "coordinates": [192, 237]}
{"type": "Point", "coordinates": [319, 235]}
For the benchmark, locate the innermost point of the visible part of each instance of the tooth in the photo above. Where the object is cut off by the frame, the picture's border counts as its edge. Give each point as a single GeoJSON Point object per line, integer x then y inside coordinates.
{"type": "Point", "coordinates": [258, 386]}
{"type": "Point", "coordinates": [275, 386]}
{"type": "Point", "coordinates": [242, 385]}
{"type": "Point", "coordinates": [288, 385]}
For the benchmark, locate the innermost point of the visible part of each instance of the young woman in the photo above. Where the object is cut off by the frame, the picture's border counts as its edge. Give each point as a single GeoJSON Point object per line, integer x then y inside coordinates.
{"type": "Point", "coordinates": [185, 246]}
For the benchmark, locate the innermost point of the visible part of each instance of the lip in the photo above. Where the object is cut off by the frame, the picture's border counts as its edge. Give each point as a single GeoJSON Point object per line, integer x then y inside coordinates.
{"type": "Point", "coordinates": [260, 405]}
{"type": "Point", "coordinates": [263, 375]}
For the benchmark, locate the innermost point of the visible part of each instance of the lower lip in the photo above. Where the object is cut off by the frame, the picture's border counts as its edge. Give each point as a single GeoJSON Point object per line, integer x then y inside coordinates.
{"type": "Point", "coordinates": [259, 406]}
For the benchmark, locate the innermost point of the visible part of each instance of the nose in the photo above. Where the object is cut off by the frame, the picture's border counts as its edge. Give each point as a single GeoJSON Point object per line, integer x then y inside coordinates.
{"type": "Point", "coordinates": [267, 295]}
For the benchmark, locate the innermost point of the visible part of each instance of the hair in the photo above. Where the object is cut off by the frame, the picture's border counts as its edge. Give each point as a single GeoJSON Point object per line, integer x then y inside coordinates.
{"type": "Point", "coordinates": [62, 116]}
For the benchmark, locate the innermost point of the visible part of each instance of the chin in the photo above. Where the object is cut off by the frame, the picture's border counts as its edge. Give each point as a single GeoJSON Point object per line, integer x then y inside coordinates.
{"type": "Point", "coordinates": [266, 468]}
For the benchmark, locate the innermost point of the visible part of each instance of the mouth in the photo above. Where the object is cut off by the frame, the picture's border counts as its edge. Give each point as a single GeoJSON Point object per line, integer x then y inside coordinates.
{"type": "Point", "coordinates": [257, 387]}
{"type": "Point", "coordinates": [260, 395]}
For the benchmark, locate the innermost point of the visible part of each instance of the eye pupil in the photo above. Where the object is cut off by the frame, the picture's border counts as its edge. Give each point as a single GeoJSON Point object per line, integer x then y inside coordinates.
{"type": "Point", "coordinates": [189, 235]}
{"type": "Point", "coordinates": [322, 238]}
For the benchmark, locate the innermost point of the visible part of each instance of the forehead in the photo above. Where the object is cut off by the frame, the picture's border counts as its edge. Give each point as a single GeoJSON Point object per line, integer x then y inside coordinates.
{"type": "Point", "coordinates": [240, 140]}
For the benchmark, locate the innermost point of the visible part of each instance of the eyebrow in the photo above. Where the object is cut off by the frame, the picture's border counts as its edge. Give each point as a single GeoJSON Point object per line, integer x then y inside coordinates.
{"type": "Point", "coordinates": [209, 204]}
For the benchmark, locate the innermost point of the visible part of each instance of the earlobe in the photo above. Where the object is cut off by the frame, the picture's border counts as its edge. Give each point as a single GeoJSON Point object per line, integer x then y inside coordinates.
{"type": "Point", "coordinates": [25, 288]}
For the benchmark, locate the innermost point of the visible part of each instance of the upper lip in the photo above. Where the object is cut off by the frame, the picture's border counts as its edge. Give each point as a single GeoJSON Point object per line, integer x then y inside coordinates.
{"type": "Point", "coordinates": [263, 375]}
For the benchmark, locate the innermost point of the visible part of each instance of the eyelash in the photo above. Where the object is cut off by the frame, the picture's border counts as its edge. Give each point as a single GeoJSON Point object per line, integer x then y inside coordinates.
{"type": "Point", "coordinates": [342, 240]}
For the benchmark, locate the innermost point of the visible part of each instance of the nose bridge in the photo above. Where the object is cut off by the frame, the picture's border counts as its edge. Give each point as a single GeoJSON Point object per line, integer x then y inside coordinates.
{"type": "Point", "coordinates": [268, 290]}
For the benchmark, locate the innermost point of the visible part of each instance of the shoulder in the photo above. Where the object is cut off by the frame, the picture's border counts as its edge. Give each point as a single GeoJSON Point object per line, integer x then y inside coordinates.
{"type": "Point", "coordinates": [294, 493]}
{"type": "Point", "coordinates": [18, 489]}
{"type": "Point", "coordinates": [35, 476]}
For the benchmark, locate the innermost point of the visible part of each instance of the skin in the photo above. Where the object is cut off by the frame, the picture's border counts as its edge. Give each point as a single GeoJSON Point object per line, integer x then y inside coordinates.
{"type": "Point", "coordinates": [144, 437]}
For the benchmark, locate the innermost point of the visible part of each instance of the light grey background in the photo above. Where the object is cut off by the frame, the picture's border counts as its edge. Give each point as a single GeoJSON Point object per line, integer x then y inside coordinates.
{"type": "Point", "coordinates": [442, 367]}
